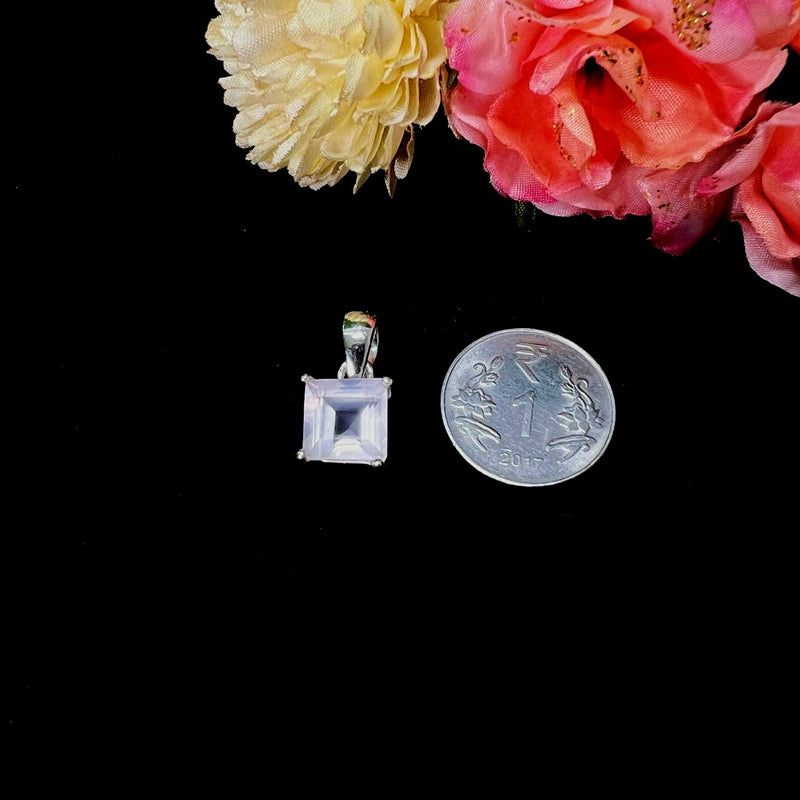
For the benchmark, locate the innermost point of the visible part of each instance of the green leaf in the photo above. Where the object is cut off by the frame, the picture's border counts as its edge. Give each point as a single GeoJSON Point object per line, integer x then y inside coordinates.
{"type": "Point", "coordinates": [525, 214]}
{"type": "Point", "coordinates": [452, 78]}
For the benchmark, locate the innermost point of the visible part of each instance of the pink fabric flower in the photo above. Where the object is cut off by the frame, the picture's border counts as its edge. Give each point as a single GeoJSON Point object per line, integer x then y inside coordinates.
{"type": "Point", "coordinates": [765, 176]}
{"type": "Point", "coordinates": [575, 101]}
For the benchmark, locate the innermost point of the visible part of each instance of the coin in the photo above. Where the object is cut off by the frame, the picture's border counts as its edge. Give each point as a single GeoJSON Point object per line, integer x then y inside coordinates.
{"type": "Point", "coordinates": [527, 407]}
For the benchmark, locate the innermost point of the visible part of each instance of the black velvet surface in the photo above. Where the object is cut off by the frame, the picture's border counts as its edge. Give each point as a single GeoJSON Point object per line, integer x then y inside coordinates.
{"type": "Point", "coordinates": [182, 592]}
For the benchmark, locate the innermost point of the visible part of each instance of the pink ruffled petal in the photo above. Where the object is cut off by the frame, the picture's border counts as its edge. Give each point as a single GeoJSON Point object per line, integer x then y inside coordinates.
{"type": "Point", "coordinates": [748, 157]}
{"type": "Point", "coordinates": [781, 165]}
{"type": "Point", "coordinates": [682, 215]}
{"type": "Point", "coordinates": [784, 274]}
{"type": "Point", "coordinates": [468, 115]}
{"type": "Point", "coordinates": [777, 22]}
{"type": "Point", "coordinates": [738, 83]}
{"type": "Point", "coordinates": [621, 18]}
{"type": "Point", "coordinates": [784, 197]}
{"type": "Point", "coordinates": [510, 176]}
{"type": "Point", "coordinates": [561, 5]}
{"type": "Point", "coordinates": [571, 13]}
{"type": "Point", "coordinates": [681, 218]}
{"type": "Point", "coordinates": [488, 44]}
{"type": "Point", "coordinates": [680, 134]}
{"type": "Point", "coordinates": [722, 31]}
{"type": "Point", "coordinates": [507, 168]}
{"type": "Point", "coordinates": [754, 204]}
{"type": "Point", "coordinates": [527, 123]}
{"type": "Point", "coordinates": [620, 197]}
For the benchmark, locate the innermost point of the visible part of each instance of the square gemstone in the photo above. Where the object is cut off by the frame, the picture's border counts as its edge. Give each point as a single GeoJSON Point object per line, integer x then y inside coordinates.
{"type": "Point", "coordinates": [345, 420]}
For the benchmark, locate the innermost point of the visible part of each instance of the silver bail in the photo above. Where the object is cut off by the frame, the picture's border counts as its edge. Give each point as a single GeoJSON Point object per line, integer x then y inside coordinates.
{"type": "Point", "coordinates": [360, 333]}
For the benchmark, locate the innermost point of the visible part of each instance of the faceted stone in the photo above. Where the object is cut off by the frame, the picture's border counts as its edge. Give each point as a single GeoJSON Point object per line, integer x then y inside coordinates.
{"type": "Point", "coordinates": [345, 420]}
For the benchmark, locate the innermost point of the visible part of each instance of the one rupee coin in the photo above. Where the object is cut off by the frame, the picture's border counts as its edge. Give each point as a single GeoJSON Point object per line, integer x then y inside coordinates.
{"type": "Point", "coordinates": [528, 407]}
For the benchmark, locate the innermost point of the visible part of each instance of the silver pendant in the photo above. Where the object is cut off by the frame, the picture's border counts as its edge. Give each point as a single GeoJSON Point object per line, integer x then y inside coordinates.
{"type": "Point", "coordinates": [345, 418]}
{"type": "Point", "coordinates": [527, 407]}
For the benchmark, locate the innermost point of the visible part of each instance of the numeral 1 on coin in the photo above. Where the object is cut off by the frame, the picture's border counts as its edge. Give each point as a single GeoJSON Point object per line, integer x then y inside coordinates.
{"type": "Point", "coordinates": [528, 400]}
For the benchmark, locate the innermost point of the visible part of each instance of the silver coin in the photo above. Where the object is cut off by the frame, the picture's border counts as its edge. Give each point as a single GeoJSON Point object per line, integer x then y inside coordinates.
{"type": "Point", "coordinates": [527, 407]}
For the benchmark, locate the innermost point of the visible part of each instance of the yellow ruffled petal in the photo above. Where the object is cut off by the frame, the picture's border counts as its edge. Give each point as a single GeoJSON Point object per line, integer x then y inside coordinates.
{"type": "Point", "coordinates": [324, 87]}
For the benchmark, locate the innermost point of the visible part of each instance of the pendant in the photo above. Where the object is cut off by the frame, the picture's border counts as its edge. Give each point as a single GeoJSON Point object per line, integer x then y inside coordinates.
{"type": "Point", "coordinates": [345, 418]}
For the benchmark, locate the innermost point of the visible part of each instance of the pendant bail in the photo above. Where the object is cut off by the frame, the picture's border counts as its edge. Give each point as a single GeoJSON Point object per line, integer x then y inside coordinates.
{"type": "Point", "coordinates": [360, 333]}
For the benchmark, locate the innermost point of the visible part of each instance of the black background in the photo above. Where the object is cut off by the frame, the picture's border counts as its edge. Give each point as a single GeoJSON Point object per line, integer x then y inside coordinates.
{"type": "Point", "coordinates": [177, 580]}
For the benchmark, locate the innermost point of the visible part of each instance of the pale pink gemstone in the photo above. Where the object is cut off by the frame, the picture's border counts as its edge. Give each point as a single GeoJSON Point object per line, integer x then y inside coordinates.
{"type": "Point", "coordinates": [345, 420]}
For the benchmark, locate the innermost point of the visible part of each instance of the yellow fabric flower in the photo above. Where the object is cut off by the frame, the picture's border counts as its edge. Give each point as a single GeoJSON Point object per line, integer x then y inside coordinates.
{"type": "Point", "coordinates": [324, 87]}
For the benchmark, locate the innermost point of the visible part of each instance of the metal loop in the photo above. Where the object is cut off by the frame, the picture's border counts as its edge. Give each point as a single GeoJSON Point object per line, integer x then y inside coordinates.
{"type": "Point", "coordinates": [360, 333]}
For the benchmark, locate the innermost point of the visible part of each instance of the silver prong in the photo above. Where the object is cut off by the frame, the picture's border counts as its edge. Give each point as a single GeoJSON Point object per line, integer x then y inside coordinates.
{"type": "Point", "coordinates": [301, 455]}
{"type": "Point", "coordinates": [306, 378]}
{"type": "Point", "coordinates": [376, 463]}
